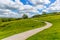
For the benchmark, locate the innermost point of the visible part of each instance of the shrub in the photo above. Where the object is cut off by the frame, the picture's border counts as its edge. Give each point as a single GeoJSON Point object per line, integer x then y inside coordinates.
{"type": "Point", "coordinates": [24, 16]}
{"type": "Point", "coordinates": [44, 13]}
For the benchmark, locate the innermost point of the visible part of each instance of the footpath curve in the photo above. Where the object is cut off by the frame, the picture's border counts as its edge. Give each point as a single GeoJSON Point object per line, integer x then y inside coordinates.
{"type": "Point", "coordinates": [27, 34]}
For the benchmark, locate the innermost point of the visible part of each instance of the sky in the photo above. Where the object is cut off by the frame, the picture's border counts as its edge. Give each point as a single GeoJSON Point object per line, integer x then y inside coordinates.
{"type": "Point", "coordinates": [16, 8]}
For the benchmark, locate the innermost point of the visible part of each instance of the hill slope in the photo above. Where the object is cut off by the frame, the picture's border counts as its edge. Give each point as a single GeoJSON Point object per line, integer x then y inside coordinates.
{"type": "Point", "coordinates": [52, 33]}
{"type": "Point", "coordinates": [14, 27]}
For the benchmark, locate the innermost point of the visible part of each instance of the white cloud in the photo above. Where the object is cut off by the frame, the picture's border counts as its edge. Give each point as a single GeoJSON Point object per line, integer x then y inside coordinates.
{"type": "Point", "coordinates": [40, 4]}
{"type": "Point", "coordinates": [8, 13]}
{"type": "Point", "coordinates": [7, 5]}
{"type": "Point", "coordinates": [36, 2]}
{"type": "Point", "coordinates": [46, 1]}
{"type": "Point", "coordinates": [54, 7]}
{"type": "Point", "coordinates": [40, 7]}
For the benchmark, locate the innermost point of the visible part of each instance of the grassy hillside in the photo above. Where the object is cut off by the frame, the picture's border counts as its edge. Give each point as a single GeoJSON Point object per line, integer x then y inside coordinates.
{"type": "Point", "coordinates": [52, 33]}
{"type": "Point", "coordinates": [17, 26]}
{"type": "Point", "coordinates": [10, 27]}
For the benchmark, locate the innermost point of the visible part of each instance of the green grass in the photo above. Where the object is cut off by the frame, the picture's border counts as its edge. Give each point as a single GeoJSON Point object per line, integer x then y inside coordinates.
{"type": "Point", "coordinates": [18, 26]}
{"type": "Point", "coordinates": [52, 33]}
{"type": "Point", "coordinates": [14, 27]}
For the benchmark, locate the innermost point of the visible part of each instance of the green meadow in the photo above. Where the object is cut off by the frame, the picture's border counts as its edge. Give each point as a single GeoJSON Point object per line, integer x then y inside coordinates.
{"type": "Point", "coordinates": [12, 26]}
{"type": "Point", "coordinates": [52, 33]}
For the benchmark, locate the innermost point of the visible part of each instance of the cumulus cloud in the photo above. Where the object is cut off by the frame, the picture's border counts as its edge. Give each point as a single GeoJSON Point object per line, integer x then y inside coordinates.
{"type": "Point", "coordinates": [6, 7]}
{"type": "Point", "coordinates": [55, 7]}
{"type": "Point", "coordinates": [36, 2]}
{"type": "Point", "coordinates": [8, 13]}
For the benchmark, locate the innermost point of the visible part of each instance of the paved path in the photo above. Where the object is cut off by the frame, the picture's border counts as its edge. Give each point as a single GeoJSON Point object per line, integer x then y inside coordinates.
{"type": "Point", "coordinates": [27, 34]}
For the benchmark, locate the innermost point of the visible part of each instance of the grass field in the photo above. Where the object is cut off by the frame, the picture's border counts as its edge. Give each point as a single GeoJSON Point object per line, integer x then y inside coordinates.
{"type": "Point", "coordinates": [17, 26]}
{"type": "Point", "coordinates": [14, 27]}
{"type": "Point", "coordinates": [52, 33]}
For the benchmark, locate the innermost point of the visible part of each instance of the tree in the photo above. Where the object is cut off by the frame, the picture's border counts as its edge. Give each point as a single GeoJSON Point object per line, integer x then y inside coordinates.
{"type": "Point", "coordinates": [44, 13]}
{"type": "Point", "coordinates": [24, 16]}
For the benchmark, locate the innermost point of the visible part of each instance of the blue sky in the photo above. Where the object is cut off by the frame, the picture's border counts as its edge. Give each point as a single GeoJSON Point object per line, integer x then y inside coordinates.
{"type": "Point", "coordinates": [25, 2]}
{"type": "Point", "coordinates": [16, 8]}
{"type": "Point", "coordinates": [29, 3]}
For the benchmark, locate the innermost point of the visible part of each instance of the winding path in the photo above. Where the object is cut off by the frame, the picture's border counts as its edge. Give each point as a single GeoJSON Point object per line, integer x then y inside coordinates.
{"type": "Point", "coordinates": [27, 34]}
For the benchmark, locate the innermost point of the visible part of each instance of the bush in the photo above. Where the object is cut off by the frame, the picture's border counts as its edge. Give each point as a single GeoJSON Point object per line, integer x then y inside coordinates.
{"type": "Point", "coordinates": [24, 16]}
{"type": "Point", "coordinates": [44, 13]}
